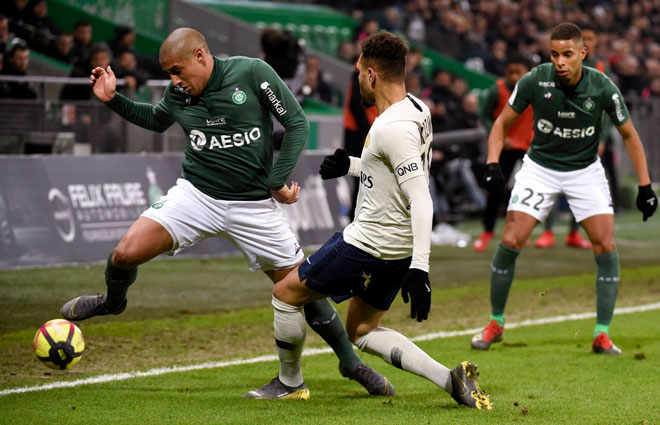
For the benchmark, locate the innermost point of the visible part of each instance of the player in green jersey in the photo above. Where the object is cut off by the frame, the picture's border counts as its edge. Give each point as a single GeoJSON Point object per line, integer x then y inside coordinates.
{"type": "Point", "coordinates": [229, 183]}
{"type": "Point", "coordinates": [568, 100]}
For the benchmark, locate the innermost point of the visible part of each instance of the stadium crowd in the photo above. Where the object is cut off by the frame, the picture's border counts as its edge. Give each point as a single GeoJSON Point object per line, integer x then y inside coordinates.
{"type": "Point", "coordinates": [482, 34]}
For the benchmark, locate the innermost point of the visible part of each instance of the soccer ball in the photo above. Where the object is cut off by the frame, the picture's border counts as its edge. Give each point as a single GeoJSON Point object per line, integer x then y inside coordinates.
{"type": "Point", "coordinates": [59, 344]}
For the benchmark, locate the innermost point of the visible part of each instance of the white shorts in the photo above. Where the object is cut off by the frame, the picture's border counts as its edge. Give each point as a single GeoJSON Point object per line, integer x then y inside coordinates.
{"type": "Point", "coordinates": [536, 189]}
{"type": "Point", "coordinates": [257, 228]}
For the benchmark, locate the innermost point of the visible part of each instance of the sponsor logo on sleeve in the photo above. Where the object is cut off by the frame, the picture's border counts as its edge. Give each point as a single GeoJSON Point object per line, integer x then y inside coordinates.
{"type": "Point", "coordinates": [617, 107]}
{"type": "Point", "coordinates": [277, 104]}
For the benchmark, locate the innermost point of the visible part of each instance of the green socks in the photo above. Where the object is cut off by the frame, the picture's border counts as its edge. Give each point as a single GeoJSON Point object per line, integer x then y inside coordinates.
{"type": "Point", "coordinates": [607, 285]}
{"type": "Point", "coordinates": [323, 319]}
{"type": "Point", "coordinates": [117, 280]}
{"type": "Point", "coordinates": [499, 318]}
{"type": "Point", "coordinates": [501, 277]}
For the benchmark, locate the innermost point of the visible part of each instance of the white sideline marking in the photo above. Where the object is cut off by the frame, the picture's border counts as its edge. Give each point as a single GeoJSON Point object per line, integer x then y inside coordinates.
{"type": "Point", "coordinates": [307, 352]}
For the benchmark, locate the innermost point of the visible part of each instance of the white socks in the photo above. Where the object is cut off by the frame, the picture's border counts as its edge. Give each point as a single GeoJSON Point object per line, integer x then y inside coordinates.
{"type": "Point", "coordinates": [290, 331]}
{"type": "Point", "coordinates": [400, 352]}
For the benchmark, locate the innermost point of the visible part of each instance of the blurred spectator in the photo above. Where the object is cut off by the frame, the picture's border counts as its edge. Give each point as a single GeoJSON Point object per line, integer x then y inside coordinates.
{"type": "Point", "coordinates": [125, 66]}
{"type": "Point", "coordinates": [99, 55]}
{"type": "Point", "coordinates": [654, 88]}
{"type": "Point", "coordinates": [60, 48]}
{"type": "Point", "coordinates": [124, 40]}
{"type": "Point", "coordinates": [346, 51]}
{"type": "Point", "coordinates": [413, 85]}
{"type": "Point", "coordinates": [43, 30]}
{"type": "Point", "coordinates": [316, 83]}
{"type": "Point", "coordinates": [13, 10]}
{"type": "Point", "coordinates": [414, 65]}
{"type": "Point", "coordinates": [496, 63]}
{"type": "Point", "coordinates": [82, 37]}
{"type": "Point", "coordinates": [18, 60]}
{"type": "Point", "coordinates": [5, 92]}
{"type": "Point", "coordinates": [284, 53]}
{"type": "Point", "coordinates": [368, 27]}
{"type": "Point", "coordinates": [5, 35]}
{"type": "Point", "coordinates": [466, 116]}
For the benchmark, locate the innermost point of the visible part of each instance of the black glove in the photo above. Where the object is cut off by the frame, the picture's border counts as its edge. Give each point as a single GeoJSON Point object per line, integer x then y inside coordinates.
{"type": "Point", "coordinates": [335, 165]}
{"type": "Point", "coordinates": [647, 202]}
{"type": "Point", "coordinates": [416, 284]}
{"type": "Point", "coordinates": [494, 178]}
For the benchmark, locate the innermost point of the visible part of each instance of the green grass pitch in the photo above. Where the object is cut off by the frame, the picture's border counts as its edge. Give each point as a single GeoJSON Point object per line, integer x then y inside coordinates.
{"type": "Point", "coordinates": [186, 312]}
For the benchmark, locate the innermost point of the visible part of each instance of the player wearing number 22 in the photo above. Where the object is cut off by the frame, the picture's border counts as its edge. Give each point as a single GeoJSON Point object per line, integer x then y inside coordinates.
{"type": "Point", "coordinates": [386, 247]}
{"type": "Point", "coordinates": [568, 100]}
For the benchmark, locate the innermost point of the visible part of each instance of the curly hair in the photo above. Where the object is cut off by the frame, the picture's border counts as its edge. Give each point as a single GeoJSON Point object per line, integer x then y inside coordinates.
{"type": "Point", "coordinates": [386, 53]}
{"type": "Point", "coordinates": [566, 31]}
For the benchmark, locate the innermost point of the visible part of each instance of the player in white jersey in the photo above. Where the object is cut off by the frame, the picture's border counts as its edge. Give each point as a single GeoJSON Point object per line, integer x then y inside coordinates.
{"type": "Point", "coordinates": [386, 247]}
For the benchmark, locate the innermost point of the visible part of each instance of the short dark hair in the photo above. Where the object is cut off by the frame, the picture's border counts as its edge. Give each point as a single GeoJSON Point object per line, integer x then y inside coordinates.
{"type": "Point", "coordinates": [517, 59]}
{"type": "Point", "coordinates": [566, 31]}
{"type": "Point", "coordinates": [386, 53]}
{"type": "Point", "coordinates": [79, 24]}
{"type": "Point", "coordinates": [100, 47]}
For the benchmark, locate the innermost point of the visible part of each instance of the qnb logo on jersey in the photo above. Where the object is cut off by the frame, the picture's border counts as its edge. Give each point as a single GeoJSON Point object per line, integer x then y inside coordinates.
{"type": "Point", "coordinates": [547, 127]}
{"type": "Point", "coordinates": [198, 139]}
{"type": "Point", "coordinates": [617, 107]}
{"type": "Point", "coordinates": [366, 180]}
{"type": "Point", "coordinates": [408, 168]}
{"type": "Point", "coordinates": [273, 99]}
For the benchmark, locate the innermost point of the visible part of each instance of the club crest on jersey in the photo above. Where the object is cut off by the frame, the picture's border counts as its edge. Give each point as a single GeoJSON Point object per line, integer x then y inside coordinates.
{"type": "Point", "coordinates": [547, 96]}
{"type": "Point", "coordinates": [239, 97]}
{"type": "Point", "coordinates": [589, 104]}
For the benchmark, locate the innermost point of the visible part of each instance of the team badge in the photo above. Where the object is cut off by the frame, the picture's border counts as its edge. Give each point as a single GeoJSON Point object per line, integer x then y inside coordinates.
{"type": "Point", "coordinates": [589, 104]}
{"type": "Point", "coordinates": [547, 96]}
{"type": "Point", "coordinates": [158, 205]}
{"type": "Point", "coordinates": [239, 97]}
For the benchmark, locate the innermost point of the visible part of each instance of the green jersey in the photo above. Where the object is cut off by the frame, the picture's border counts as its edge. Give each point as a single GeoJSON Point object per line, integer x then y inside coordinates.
{"type": "Point", "coordinates": [567, 121]}
{"type": "Point", "coordinates": [229, 155]}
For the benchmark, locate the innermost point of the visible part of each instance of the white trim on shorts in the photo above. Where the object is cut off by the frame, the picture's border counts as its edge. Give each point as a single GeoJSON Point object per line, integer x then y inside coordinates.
{"type": "Point", "coordinates": [536, 189]}
{"type": "Point", "coordinates": [257, 228]}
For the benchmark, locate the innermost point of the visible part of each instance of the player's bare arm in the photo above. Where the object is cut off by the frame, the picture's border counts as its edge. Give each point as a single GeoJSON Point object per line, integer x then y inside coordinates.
{"type": "Point", "coordinates": [104, 83]}
{"type": "Point", "coordinates": [498, 133]}
{"type": "Point", "coordinates": [635, 151]}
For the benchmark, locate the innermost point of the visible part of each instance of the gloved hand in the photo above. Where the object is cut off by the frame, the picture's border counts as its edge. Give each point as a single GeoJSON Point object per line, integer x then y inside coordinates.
{"type": "Point", "coordinates": [335, 165]}
{"type": "Point", "coordinates": [647, 202]}
{"type": "Point", "coordinates": [494, 178]}
{"type": "Point", "coordinates": [416, 285]}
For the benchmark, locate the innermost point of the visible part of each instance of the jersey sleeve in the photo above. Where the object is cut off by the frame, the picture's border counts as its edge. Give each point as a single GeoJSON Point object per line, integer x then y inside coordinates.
{"type": "Point", "coordinates": [522, 93]}
{"type": "Point", "coordinates": [145, 115]}
{"type": "Point", "coordinates": [400, 144]}
{"type": "Point", "coordinates": [276, 97]}
{"type": "Point", "coordinates": [614, 104]}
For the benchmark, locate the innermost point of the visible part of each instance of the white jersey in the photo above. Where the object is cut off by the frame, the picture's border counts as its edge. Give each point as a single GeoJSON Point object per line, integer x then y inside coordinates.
{"type": "Point", "coordinates": [397, 148]}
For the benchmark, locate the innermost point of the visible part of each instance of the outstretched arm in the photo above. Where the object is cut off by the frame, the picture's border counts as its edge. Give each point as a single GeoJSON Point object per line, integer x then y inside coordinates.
{"type": "Point", "coordinates": [146, 115]}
